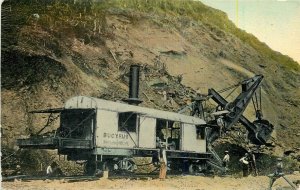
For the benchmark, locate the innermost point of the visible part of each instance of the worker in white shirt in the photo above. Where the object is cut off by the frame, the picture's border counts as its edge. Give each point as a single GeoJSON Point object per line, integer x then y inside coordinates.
{"type": "Point", "coordinates": [54, 170]}
{"type": "Point", "coordinates": [49, 170]}
{"type": "Point", "coordinates": [245, 164]}
{"type": "Point", "coordinates": [226, 159]}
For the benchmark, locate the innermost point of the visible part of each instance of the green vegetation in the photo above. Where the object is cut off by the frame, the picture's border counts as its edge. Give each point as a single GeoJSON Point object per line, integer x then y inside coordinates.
{"type": "Point", "coordinates": [200, 12]}
{"type": "Point", "coordinates": [88, 15]}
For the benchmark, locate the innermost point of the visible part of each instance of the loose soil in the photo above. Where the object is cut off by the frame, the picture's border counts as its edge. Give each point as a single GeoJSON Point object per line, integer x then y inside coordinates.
{"type": "Point", "coordinates": [177, 183]}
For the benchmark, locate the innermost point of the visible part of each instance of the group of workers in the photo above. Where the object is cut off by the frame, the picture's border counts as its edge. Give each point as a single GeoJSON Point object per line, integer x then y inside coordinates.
{"type": "Point", "coordinates": [247, 161]}
{"type": "Point", "coordinates": [249, 164]}
{"type": "Point", "coordinates": [51, 170]}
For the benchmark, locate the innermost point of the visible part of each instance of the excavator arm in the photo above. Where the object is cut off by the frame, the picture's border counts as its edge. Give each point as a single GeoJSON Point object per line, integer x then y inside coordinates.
{"type": "Point", "coordinates": [259, 130]}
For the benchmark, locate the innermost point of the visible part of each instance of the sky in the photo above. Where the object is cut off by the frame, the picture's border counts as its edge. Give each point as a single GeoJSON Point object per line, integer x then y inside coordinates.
{"type": "Point", "coordinates": [275, 22]}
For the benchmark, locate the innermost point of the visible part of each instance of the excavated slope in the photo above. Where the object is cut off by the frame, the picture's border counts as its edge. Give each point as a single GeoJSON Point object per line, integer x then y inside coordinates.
{"type": "Point", "coordinates": [47, 64]}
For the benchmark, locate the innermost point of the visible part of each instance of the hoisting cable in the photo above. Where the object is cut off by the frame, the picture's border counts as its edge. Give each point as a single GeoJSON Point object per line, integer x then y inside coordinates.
{"type": "Point", "coordinates": [228, 88]}
{"type": "Point", "coordinates": [8, 156]}
{"type": "Point", "coordinates": [255, 109]}
{"type": "Point", "coordinates": [255, 94]}
{"type": "Point", "coordinates": [231, 92]}
{"type": "Point", "coordinates": [50, 120]}
{"type": "Point", "coordinates": [260, 98]}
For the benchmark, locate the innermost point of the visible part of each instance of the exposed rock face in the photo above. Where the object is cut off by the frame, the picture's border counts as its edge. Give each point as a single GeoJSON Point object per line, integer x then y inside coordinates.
{"type": "Point", "coordinates": [49, 63]}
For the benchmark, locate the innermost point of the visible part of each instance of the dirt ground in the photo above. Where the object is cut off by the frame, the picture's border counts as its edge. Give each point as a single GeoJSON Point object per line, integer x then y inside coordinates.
{"type": "Point", "coordinates": [184, 182]}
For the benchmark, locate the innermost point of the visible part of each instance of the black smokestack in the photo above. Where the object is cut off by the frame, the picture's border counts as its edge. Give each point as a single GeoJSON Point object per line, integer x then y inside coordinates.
{"type": "Point", "coordinates": [134, 82]}
{"type": "Point", "coordinates": [134, 79]}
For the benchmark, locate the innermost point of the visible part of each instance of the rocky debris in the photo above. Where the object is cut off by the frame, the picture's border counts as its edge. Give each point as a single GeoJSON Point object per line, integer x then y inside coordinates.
{"type": "Point", "coordinates": [49, 65]}
{"type": "Point", "coordinates": [174, 52]}
{"type": "Point", "coordinates": [9, 162]}
{"type": "Point", "coordinates": [293, 154]}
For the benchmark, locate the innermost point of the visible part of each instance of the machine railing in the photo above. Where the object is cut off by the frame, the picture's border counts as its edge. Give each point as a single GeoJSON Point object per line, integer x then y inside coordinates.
{"type": "Point", "coordinates": [74, 143]}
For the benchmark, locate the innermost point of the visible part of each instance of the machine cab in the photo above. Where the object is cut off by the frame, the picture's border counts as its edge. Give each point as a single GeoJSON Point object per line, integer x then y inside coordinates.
{"type": "Point", "coordinates": [77, 128]}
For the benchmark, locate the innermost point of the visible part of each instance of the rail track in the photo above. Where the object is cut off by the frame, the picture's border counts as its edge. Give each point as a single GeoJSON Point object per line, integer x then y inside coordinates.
{"type": "Point", "coordinates": [134, 176]}
{"type": "Point", "coordinates": [67, 178]}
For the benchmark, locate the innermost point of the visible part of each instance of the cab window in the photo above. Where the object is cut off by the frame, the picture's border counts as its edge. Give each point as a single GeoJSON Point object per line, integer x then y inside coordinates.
{"type": "Point", "coordinates": [127, 121]}
{"type": "Point", "coordinates": [200, 131]}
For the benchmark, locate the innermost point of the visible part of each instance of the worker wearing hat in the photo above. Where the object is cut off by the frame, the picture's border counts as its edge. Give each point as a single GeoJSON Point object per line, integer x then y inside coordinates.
{"type": "Point", "coordinates": [197, 107]}
{"type": "Point", "coordinates": [226, 159]}
{"type": "Point", "coordinates": [252, 163]}
{"type": "Point", "coordinates": [245, 164]}
{"type": "Point", "coordinates": [279, 166]}
{"type": "Point", "coordinates": [279, 173]}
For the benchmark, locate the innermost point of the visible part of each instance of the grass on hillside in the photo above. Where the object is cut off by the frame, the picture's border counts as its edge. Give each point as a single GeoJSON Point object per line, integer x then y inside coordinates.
{"type": "Point", "coordinates": [91, 14]}
{"type": "Point", "coordinates": [200, 12]}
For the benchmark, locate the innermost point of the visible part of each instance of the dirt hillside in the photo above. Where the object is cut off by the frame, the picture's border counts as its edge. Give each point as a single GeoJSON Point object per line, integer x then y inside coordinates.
{"type": "Point", "coordinates": [86, 49]}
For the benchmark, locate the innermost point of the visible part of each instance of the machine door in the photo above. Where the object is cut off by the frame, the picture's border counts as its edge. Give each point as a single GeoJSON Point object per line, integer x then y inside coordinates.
{"type": "Point", "coordinates": [147, 132]}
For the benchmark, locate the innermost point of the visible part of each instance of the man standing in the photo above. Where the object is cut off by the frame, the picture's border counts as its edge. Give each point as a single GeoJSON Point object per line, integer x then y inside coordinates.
{"type": "Point", "coordinates": [245, 164]}
{"type": "Point", "coordinates": [49, 170]}
{"type": "Point", "coordinates": [279, 173]}
{"type": "Point", "coordinates": [197, 107]}
{"type": "Point", "coordinates": [226, 159]}
{"type": "Point", "coordinates": [252, 163]}
{"type": "Point", "coordinates": [163, 163]}
{"type": "Point", "coordinates": [221, 125]}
